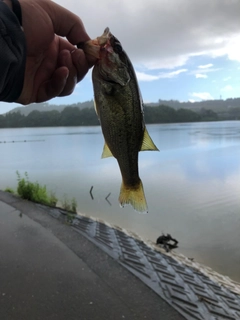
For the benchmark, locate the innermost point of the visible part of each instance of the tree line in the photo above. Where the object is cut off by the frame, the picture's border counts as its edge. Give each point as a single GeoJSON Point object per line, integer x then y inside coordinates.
{"type": "Point", "coordinates": [73, 116]}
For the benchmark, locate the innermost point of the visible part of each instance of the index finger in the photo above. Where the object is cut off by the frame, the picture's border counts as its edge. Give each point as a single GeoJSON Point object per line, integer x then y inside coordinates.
{"type": "Point", "coordinates": [65, 23]}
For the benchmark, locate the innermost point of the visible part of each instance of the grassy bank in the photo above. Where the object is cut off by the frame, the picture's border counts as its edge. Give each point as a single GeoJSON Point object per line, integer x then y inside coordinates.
{"type": "Point", "coordinates": [35, 192]}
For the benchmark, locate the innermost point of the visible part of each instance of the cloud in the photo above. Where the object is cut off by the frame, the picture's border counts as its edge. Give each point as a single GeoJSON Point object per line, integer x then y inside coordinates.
{"type": "Point", "coordinates": [163, 75]}
{"type": "Point", "coordinates": [157, 34]}
{"type": "Point", "coordinates": [200, 75]}
{"type": "Point", "coordinates": [202, 72]}
{"type": "Point", "coordinates": [166, 63]}
{"type": "Point", "coordinates": [227, 88]}
{"type": "Point", "coordinates": [172, 74]}
{"type": "Point", "coordinates": [202, 95]}
{"type": "Point", "coordinates": [230, 48]}
{"type": "Point", "coordinates": [206, 66]}
{"type": "Point", "coordinates": [141, 76]}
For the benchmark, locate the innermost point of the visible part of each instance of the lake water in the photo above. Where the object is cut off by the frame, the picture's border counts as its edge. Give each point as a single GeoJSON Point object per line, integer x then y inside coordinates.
{"type": "Point", "coordinates": [192, 185]}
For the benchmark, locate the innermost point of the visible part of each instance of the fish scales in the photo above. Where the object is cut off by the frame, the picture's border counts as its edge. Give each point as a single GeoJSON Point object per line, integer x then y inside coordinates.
{"type": "Point", "coordinates": [124, 138]}
{"type": "Point", "coordinates": [120, 110]}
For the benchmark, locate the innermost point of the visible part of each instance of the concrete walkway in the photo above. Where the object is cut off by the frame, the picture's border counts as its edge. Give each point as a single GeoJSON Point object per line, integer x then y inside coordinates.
{"type": "Point", "coordinates": [50, 272]}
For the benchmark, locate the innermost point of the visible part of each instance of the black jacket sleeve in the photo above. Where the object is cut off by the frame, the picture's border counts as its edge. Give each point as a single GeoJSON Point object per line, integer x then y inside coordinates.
{"type": "Point", "coordinates": [12, 55]}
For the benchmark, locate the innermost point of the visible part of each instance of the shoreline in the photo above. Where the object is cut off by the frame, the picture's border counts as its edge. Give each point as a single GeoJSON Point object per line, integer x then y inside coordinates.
{"type": "Point", "coordinates": [221, 279]}
{"type": "Point", "coordinates": [193, 290]}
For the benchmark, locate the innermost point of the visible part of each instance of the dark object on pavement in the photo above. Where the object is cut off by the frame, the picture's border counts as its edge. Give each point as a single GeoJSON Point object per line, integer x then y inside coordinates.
{"type": "Point", "coordinates": [167, 242]}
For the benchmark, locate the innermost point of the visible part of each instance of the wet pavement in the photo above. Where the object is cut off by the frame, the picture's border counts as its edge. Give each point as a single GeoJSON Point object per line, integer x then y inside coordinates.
{"type": "Point", "coordinates": [57, 266]}
{"type": "Point", "coordinates": [49, 271]}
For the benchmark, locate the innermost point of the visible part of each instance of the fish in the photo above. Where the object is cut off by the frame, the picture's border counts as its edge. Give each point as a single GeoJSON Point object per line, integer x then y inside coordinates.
{"type": "Point", "coordinates": [119, 106]}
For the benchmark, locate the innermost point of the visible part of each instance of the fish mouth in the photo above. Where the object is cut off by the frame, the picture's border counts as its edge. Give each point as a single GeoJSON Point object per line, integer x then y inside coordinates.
{"type": "Point", "coordinates": [97, 46]}
{"type": "Point", "coordinates": [104, 38]}
{"type": "Point", "coordinates": [107, 52]}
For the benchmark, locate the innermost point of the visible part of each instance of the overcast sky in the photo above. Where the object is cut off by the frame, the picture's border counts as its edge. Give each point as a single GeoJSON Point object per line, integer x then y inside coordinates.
{"type": "Point", "coordinates": [181, 49]}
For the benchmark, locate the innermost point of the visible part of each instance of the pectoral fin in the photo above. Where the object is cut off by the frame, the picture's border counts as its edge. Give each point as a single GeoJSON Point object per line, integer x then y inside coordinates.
{"type": "Point", "coordinates": [106, 151]}
{"type": "Point", "coordinates": [147, 143]}
{"type": "Point", "coordinates": [95, 107]}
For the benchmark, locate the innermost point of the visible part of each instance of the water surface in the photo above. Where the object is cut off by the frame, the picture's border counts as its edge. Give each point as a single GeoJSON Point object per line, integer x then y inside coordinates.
{"type": "Point", "coordinates": [192, 185]}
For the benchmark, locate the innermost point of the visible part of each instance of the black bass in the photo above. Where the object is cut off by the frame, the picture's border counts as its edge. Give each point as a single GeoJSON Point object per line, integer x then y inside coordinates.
{"type": "Point", "coordinates": [119, 107]}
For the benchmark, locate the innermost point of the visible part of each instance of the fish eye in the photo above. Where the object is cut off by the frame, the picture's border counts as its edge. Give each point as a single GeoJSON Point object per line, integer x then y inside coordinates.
{"type": "Point", "coordinates": [118, 47]}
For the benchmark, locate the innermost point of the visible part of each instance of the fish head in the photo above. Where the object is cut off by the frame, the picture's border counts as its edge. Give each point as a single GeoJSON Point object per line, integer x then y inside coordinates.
{"type": "Point", "coordinates": [112, 60]}
{"type": "Point", "coordinates": [111, 64]}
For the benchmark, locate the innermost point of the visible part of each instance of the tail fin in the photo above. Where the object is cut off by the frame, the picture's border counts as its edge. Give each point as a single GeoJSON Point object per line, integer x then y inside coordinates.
{"type": "Point", "coordinates": [134, 196]}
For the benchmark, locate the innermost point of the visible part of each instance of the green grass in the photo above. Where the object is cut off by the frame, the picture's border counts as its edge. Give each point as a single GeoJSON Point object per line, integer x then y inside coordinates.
{"type": "Point", "coordinates": [69, 205]}
{"type": "Point", "coordinates": [33, 191]}
{"type": "Point", "coordinates": [9, 190]}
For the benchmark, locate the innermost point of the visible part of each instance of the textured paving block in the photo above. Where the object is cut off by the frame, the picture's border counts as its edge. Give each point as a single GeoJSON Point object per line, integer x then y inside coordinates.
{"type": "Point", "coordinates": [188, 310]}
{"type": "Point", "coordinates": [188, 290]}
{"type": "Point", "coordinates": [103, 235]}
{"type": "Point", "coordinates": [231, 304]}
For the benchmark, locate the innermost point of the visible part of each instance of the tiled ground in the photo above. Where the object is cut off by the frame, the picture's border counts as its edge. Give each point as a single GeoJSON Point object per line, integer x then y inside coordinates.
{"type": "Point", "coordinates": [193, 293]}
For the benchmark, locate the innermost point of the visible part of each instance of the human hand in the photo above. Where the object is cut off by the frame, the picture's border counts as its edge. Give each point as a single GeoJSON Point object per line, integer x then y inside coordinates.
{"type": "Point", "coordinates": [53, 65]}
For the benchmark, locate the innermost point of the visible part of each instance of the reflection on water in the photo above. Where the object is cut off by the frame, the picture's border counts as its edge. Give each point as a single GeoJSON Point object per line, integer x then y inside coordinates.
{"type": "Point", "coordinates": [191, 185]}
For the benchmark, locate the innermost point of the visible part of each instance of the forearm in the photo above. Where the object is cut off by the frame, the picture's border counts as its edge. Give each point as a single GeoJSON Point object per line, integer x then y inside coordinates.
{"type": "Point", "coordinates": [12, 54]}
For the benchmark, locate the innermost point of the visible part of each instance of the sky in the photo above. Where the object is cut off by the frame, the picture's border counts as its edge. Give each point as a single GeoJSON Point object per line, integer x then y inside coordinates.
{"type": "Point", "coordinates": [186, 50]}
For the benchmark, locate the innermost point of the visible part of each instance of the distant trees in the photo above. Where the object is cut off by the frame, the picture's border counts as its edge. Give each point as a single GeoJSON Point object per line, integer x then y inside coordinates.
{"type": "Point", "coordinates": [208, 115]}
{"type": "Point", "coordinates": [165, 114]}
{"type": "Point", "coordinates": [160, 114]}
{"type": "Point", "coordinates": [186, 115]}
{"type": "Point", "coordinates": [70, 116]}
{"type": "Point", "coordinates": [73, 116]}
{"type": "Point", "coordinates": [11, 120]}
{"type": "Point", "coordinates": [215, 105]}
{"type": "Point", "coordinates": [235, 113]}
